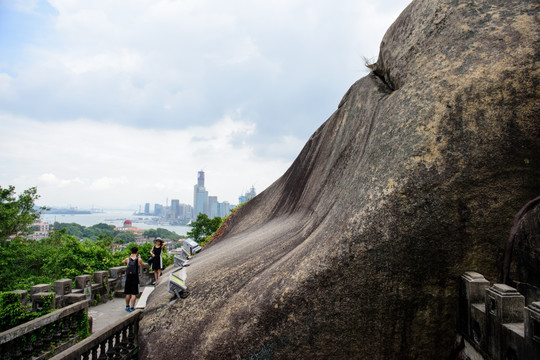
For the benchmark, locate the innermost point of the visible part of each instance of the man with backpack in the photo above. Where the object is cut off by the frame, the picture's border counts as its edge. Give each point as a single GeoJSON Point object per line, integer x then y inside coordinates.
{"type": "Point", "coordinates": [131, 288]}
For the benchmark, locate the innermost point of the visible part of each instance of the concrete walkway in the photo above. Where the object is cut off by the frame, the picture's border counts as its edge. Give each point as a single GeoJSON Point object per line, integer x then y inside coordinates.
{"type": "Point", "coordinates": [113, 310]}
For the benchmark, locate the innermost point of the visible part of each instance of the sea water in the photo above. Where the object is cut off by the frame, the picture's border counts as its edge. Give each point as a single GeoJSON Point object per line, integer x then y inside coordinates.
{"type": "Point", "coordinates": [116, 218]}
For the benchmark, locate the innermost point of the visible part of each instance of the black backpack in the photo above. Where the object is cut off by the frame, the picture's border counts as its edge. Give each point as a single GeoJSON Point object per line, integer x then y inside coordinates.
{"type": "Point", "coordinates": [132, 266]}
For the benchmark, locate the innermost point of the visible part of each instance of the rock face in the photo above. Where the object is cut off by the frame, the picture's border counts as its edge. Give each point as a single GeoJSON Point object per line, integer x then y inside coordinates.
{"type": "Point", "coordinates": [355, 252]}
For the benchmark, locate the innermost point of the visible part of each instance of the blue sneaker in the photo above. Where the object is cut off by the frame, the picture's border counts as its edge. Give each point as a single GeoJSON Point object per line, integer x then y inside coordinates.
{"type": "Point", "coordinates": [131, 310]}
{"type": "Point", "coordinates": [127, 309]}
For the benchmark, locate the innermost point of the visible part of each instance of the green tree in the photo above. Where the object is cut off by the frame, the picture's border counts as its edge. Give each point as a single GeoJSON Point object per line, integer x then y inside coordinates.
{"type": "Point", "coordinates": [124, 237]}
{"type": "Point", "coordinates": [72, 229]}
{"type": "Point", "coordinates": [17, 213]}
{"type": "Point", "coordinates": [203, 227]}
{"type": "Point", "coordinates": [26, 262]}
{"type": "Point", "coordinates": [82, 232]}
{"type": "Point", "coordinates": [94, 231]}
{"type": "Point", "coordinates": [162, 233]}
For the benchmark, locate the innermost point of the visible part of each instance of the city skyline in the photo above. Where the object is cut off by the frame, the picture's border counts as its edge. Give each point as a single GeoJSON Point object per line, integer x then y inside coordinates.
{"type": "Point", "coordinates": [202, 203]}
{"type": "Point", "coordinates": [242, 197]}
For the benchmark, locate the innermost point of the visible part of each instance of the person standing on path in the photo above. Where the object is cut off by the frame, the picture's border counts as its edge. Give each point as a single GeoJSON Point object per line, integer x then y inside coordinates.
{"type": "Point", "coordinates": [132, 286]}
{"type": "Point", "coordinates": [157, 261]}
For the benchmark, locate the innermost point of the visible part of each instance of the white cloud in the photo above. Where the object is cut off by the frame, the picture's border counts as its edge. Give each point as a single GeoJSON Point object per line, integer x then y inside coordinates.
{"type": "Point", "coordinates": [118, 61]}
{"type": "Point", "coordinates": [106, 165]}
{"type": "Point", "coordinates": [106, 183]}
{"type": "Point", "coordinates": [109, 103]}
{"type": "Point", "coordinates": [5, 85]}
{"type": "Point", "coordinates": [53, 180]}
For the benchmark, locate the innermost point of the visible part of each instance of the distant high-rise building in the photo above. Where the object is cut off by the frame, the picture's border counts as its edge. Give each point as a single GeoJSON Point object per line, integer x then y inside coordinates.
{"type": "Point", "coordinates": [200, 196]}
{"type": "Point", "coordinates": [212, 207]}
{"type": "Point", "coordinates": [209, 205]}
{"type": "Point", "coordinates": [147, 208]}
{"type": "Point", "coordinates": [200, 178]}
{"type": "Point", "coordinates": [224, 209]}
{"type": "Point", "coordinates": [247, 196]}
{"type": "Point", "coordinates": [158, 209]}
{"type": "Point", "coordinates": [186, 212]}
{"type": "Point", "coordinates": [175, 209]}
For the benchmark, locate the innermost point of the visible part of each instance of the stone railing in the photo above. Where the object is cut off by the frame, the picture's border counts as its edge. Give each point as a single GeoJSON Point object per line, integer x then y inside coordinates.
{"type": "Point", "coordinates": [56, 331]}
{"type": "Point", "coordinates": [117, 341]}
{"type": "Point", "coordinates": [495, 322]}
{"type": "Point", "coordinates": [45, 336]}
{"type": "Point", "coordinates": [104, 285]}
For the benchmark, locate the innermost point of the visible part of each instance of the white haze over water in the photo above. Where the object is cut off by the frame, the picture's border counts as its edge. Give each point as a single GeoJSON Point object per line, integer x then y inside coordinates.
{"type": "Point", "coordinates": [113, 104]}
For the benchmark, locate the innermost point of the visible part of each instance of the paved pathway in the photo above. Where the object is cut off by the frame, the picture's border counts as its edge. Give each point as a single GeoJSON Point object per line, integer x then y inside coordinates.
{"type": "Point", "coordinates": [108, 313]}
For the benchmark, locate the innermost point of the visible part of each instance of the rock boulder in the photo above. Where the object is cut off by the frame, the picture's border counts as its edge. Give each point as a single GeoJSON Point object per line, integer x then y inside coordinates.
{"type": "Point", "coordinates": [355, 252]}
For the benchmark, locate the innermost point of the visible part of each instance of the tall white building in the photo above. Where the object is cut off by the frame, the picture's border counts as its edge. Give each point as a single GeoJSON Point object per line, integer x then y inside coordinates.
{"type": "Point", "coordinates": [209, 205]}
{"type": "Point", "coordinates": [200, 196]}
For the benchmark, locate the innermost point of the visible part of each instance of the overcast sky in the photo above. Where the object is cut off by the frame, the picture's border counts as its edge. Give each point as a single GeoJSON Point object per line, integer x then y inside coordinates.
{"type": "Point", "coordinates": [113, 104]}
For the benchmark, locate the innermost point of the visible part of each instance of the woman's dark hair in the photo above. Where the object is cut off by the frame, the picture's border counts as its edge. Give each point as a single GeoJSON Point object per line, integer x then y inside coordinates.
{"type": "Point", "coordinates": [134, 250]}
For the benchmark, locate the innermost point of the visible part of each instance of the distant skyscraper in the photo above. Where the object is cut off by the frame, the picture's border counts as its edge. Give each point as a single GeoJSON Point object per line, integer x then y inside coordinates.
{"type": "Point", "coordinates": [212, 207]}
{"type": "Point", "coordinates": [175, 209]}
{"type": "Point", "coordinates": [209, 205]}
{"type": "Point", "coordinates": [247, 196]}
{"type": "Point", "coordinates": [147, 208]}
{"type": "Point", "coordinates": [200, 178]}
{"type": "Point", "coordinates": [224, 209]}
{"type": "Point", "coordinates": [186, 212]}
{"type": "Point", "coordinates": [251, 193]}
{"type": "Point", "coordinates": [200, 196]}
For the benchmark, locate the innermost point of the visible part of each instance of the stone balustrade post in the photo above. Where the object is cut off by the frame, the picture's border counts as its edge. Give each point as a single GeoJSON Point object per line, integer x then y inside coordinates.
{"type": "Point", "coordinates": [532, 331]}
{"type": "Point", "coordinates": [472, 294]}
{"type": "Point", "coordinates": [83, 281]}
{"type": "Point", "coordinates": [61, 288]}
{"type": "Point", "coordinates": [504, 305]}
{"type": "Point", "coordinates": [38, 301]}
{"type": "Point", "coordinates": [118, 273]}
{"type": "Point", "coordinates": [23, 296]}
{"type": "Point", "coordinates": [101, 277]}
{"type": "Point", "coordinates": [40, 288]}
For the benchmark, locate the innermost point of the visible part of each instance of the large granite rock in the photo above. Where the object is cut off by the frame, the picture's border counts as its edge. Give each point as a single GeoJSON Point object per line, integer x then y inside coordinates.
{"type": "Point", "coordinates": [355, 252]}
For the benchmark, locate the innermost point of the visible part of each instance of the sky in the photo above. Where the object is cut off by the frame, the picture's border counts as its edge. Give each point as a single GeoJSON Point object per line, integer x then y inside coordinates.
{"type": "Point", "coordinates": [116, 103]}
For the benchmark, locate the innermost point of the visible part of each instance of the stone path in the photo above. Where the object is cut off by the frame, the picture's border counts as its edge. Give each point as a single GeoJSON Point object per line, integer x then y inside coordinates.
{"type": "Point", "coordinates": [108, 313]}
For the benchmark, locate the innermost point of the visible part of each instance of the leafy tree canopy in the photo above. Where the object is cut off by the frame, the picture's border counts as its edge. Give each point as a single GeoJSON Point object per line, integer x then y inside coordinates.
{"type": "Point", "coordinates": [162, 233]}
{"type": "Point", "coordinates": [82, 232]}
{"type": "Point", "coordinates": [124, 237]}
{"type": "Point", "coordinates": [26, 262]}
{"type": "Point", "coordinates": [203, 227]}
{"type": "Point", "coordinates": [17, 213]}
